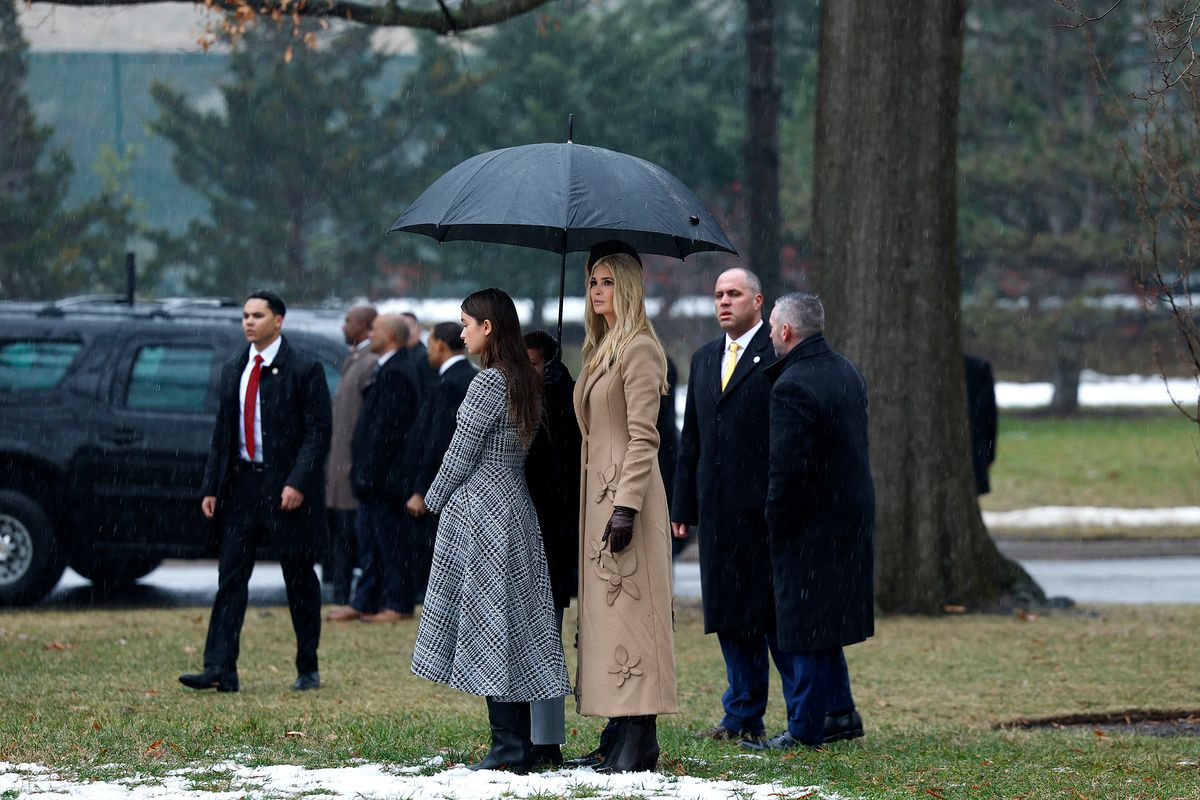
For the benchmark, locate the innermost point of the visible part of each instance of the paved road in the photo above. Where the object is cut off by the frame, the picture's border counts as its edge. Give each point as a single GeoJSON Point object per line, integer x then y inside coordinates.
{"type": "Point", "coordinates": [1107, 580]}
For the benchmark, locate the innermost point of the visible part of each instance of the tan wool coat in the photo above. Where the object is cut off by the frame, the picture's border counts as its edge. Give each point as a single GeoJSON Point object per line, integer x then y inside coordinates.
{"type": "Point", "coordinates": [347, 400]}
{"type": "Point", "coordinates": [626, 628]}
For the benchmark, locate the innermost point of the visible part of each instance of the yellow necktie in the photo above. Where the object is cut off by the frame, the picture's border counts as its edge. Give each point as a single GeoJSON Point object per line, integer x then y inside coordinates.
{"type": "Point", "coordinates": [731, 366]}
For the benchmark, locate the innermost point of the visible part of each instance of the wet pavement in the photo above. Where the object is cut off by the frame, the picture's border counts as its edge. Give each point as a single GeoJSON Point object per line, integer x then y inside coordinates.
{"type": "Point", "coordinates": [1097, 580]}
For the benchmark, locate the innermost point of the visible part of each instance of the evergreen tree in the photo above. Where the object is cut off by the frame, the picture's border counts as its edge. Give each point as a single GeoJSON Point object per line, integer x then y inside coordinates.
{"type": "Point", "coordinates": [299, 168]}
{"type": "Point", "coordinates": [1040, 181]}
{"type": "Point", "coordinates": [47, 250]}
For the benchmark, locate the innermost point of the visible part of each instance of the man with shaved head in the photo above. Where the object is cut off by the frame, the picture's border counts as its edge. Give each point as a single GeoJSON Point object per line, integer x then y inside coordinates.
{"type": "Point", "coordinates": [347, 400]}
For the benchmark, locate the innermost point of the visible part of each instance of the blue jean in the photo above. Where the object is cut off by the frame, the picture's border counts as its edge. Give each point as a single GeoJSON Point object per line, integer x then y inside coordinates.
{"type": "Point", "coordinates": [384, 555]}
{"type": "Point", "coordinates": [815, 683]}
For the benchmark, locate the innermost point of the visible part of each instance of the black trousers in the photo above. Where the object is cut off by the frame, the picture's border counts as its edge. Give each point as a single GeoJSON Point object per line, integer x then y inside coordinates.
{"type": "Point", "coordinates": [341, 554]}
{"type": "Point", "coordinates": [245, 520]}
{"type": "Point", "coordinates": [385, 555]}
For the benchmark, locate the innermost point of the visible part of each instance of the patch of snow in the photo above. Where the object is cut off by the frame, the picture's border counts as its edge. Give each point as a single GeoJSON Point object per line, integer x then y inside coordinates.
{"type": "Point", "coordinates": [1061, 516]}
{"type": "Point", "coordinates": [1097, 390]}
{"type": "Point", "coordinates": [380, 781]}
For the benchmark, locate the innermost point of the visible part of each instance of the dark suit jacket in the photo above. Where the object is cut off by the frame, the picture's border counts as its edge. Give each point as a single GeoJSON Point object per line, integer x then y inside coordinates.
{"type": "Point", "coordinates": [821, 500]}
{"type": "Point", "coordinates": [422, 374]}
{"type": "Point", "coordinates": [982, 416]}
{"type": "Point", "coordinates": [552, 473]}
{"type": "Point", "coordinates": [296, 424]}
{"type": "Point", "coordinates": [378, 468]}
{"type": "Point", "coordinates": [721, 484]}
{"type": "Point", "coordinates": [436, 423]}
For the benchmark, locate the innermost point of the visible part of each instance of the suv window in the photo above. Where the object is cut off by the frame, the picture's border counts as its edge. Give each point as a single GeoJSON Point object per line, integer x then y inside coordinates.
{"type": "Point", "coordinates": [169, 378]}
{"type": "Point", "coordinates": [26, 366]}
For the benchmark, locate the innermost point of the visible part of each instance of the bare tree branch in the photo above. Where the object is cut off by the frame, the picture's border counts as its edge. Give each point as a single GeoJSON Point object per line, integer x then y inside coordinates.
{"type": "Point", "coordinates": [468, 15]}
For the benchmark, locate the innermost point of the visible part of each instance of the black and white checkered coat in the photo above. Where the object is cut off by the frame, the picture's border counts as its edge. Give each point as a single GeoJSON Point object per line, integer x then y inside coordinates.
{"type": "Point", "coordinates": [488, 627]}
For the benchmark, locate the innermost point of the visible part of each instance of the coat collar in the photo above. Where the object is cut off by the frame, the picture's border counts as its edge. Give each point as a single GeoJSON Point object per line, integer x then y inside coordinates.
{"type": "Point", "coordinates": [811, 347]}
{"type": "Point", "coordinates": [589, 379]}
{"type": "Point", "coordinates": [758, 355]}
{"type": "Point", "coordinates": [243, 356]}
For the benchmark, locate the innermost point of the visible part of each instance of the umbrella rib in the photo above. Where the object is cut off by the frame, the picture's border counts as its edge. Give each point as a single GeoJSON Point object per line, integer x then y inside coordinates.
{"type": "Point", "coordinates": [464, 184]}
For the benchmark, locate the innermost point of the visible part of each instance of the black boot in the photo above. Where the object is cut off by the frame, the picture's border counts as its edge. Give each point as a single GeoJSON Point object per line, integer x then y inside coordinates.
{"type": "Point", "coordinates": [511, 748]}
{"type": "Point", "coordinates": [636, 748]}
{"type": "Point", "coordinates": [608, 738]}
{"type": "Point", "coordinates": [545, 756]}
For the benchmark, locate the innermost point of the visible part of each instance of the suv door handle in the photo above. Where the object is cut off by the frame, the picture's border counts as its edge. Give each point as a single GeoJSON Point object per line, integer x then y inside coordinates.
{"type": "Point", "coordinates": [123, 435]}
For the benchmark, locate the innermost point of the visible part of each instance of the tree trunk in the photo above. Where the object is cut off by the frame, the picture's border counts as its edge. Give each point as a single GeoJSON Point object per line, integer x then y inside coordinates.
{"type": "Point", "coordinates": [761, 149]}
{"type": "Point", "coordinates": [884, 235]}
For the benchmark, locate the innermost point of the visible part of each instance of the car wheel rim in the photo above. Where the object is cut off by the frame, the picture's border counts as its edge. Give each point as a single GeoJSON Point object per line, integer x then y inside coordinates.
{"type": "Point", "coordinates": [16, 549]}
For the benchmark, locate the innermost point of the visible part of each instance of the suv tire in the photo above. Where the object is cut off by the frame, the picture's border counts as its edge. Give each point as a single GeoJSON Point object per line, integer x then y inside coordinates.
{"type": "Point", "coordinates": [31, 562]}
{"type": "Point", "coordinates": [111, 570]}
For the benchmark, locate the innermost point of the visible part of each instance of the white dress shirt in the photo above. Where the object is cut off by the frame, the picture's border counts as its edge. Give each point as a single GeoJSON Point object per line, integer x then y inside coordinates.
{"type": "Point", "coordinates": [268, 356]}
{"type": "Point", "coordinates": [450, 362]}
{"type": "Point", "coordinates": [743, 342]}
{"type": "Point", "coordinates": [383, 359]}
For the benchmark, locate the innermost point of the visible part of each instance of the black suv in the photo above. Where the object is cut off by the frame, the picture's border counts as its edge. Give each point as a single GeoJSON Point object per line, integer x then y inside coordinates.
{"type": "Point", "coordinates": [106, 411]}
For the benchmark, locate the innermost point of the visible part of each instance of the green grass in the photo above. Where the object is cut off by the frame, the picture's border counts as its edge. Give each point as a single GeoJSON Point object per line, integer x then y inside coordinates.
{"type": "Point", "coordinates": [1131, 461]}
{"type": "Point", "coordinates": [93, 694]}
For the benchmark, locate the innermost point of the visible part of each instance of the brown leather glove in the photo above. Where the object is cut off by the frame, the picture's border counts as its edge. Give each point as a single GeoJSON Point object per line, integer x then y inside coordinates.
{"type": "Point", "coordinates": [618, 533]}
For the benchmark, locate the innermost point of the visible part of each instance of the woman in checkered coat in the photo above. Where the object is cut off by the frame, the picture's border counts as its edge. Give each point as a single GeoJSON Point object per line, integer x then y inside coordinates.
{"type": "Point", "coordinates": [488, 626]}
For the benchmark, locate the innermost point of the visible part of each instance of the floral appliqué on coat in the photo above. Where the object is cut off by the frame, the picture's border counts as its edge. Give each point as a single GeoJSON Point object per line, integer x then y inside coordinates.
{"type": "Point", "coordinates": [626, 666]}
{"type": "Point", "coordinates": [608, 484]}
{"type": "Point", "coordinates": [616, 570]}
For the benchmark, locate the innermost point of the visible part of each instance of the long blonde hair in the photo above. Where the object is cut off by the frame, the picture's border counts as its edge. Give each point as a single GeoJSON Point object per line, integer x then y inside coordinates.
{"type": "Point", "coordinates": [602, 346]}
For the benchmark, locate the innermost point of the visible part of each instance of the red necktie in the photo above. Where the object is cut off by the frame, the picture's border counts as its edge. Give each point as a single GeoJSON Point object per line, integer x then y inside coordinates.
{"type": "Point", "coordinates": [251, 404]}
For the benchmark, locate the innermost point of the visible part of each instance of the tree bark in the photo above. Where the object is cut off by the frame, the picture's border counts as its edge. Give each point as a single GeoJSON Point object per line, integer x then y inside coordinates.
{"type": "Point", "coordinates": [885, 241]}
{"type": "Point", "coordinates": [761, 148]}
{"type": "Point", "coordinates": [478, 14]}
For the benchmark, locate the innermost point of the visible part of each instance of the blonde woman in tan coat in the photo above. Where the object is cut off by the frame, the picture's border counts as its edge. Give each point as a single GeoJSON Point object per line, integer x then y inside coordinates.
{"type": "Point", "coordinates": [626, 640]}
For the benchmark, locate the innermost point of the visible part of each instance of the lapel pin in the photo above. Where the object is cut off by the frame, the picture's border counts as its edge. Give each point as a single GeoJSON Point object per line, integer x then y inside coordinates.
{"type": "Point", "coordinates": [275, 370]}
{"type": "Point", "coordinates": [757, 359]}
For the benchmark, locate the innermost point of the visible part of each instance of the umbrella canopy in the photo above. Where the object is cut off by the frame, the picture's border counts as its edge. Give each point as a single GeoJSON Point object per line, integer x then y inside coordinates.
{"type": "Point", "coordinates": [565, 198]}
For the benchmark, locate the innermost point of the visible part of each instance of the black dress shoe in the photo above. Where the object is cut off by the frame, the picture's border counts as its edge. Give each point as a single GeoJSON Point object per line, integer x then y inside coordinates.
{"type": "Point", "coordinates": [719, 733]}
{"type": "Point", "coordinates": [784, 741]}
{"type": "Point", "coordinates": [210, 679]}
{"type": "Point", "coordinates": [306, 681]}
{"type": "Point", "coordinates": [843, 726]}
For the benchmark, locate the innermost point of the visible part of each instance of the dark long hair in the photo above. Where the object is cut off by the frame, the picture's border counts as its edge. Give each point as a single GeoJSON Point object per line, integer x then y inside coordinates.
{"type": "Point", "coordinates": [505, 351]}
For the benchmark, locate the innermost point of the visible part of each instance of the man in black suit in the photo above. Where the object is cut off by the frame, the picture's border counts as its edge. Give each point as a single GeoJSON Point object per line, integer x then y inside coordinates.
{"type": "Point", "coordinates": [982, 416]}
{"type": "Point", "coordinates": [721, 485]}
{"type": "Point", "coordinates": [264, 484]}
{"type": "Point", "coordinates": [418, 356]}
{"type": "Point", "coordinates": [378, 475]}
{"type": "Point", "coordinates": [439, 409]}
{"type": "Point", "coordinates": [821, 519]}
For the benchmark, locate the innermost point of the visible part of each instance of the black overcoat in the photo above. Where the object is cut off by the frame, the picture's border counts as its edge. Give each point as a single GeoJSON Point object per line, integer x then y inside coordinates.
{"type": "Point", "coordinates": [821, 500]}
{"type": "Point", "coordinates": [552, 473]}
{"type": "Point", "coordinates": [431, 436]}
{"type": "Point", "coordinates": [721, 484]}
{"type": "Point", "coordinates": [296, 424]}
{"type": "Point", "coordinates": [378, 468]}
{"type": "Point", "coordinates": [982, 416]}
{"type": "Point", "coordinates": [435, 424]}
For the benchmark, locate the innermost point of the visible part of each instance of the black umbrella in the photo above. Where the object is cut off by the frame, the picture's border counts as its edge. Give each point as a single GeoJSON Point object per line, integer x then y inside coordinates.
{"type": "Point", "coordinates": [565, 198]}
